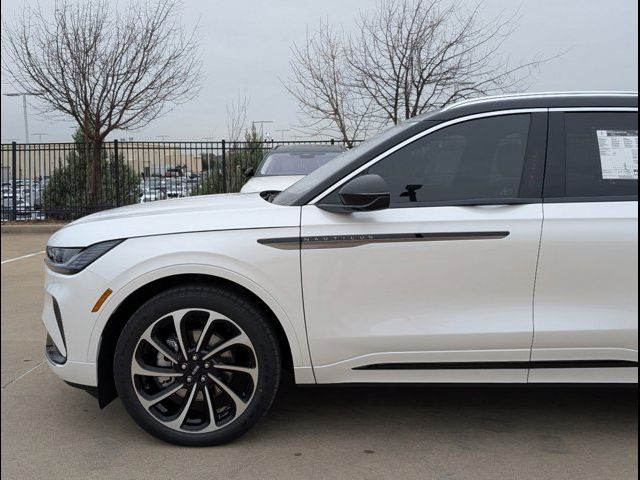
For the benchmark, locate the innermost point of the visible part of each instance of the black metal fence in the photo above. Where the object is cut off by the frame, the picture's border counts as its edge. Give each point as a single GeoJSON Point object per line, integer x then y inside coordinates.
{"type": "Point", "coordinates": [60, 181]}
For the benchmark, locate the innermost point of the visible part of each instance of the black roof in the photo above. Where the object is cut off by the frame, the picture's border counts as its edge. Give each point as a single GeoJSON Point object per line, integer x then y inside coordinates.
{"type": "Point", "coordinates": [534, 100]}
{"type": "Point", "coordinates": [309, 148]}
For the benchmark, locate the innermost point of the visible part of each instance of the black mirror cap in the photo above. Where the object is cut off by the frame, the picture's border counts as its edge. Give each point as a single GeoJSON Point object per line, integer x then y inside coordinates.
{"type": "Point", "coordinates": [365, 193]}
{"type": "Point", "coordinates": [249, 172]}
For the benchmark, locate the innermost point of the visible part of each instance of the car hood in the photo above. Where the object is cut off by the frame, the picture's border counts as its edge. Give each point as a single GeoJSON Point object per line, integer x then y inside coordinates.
{"type": "Point", "coordinates": [274, 182]}
{"type": "Point", "coordinates": [202, 213]}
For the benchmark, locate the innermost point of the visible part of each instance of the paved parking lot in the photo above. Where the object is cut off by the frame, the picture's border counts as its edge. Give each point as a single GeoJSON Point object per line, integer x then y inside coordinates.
{"type": "Point", "coordinates": [52, 431]}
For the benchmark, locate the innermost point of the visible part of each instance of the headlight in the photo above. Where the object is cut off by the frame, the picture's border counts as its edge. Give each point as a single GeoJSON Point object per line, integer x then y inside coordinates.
{"type": "Point", "coordinates": [72, 260]}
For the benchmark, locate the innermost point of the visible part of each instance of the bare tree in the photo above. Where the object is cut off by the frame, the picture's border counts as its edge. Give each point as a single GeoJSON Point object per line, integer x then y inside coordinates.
{"type": "Point", "coordinates": [237, 117]}
{"type": "Point", "coordinates": [105, 68]}
{"type": "Point", "coordinates": [322, 87]}
{"type": "Point", "coordinates": [412, 56]}
{"type": "Point", "coordinates": [406, 57]}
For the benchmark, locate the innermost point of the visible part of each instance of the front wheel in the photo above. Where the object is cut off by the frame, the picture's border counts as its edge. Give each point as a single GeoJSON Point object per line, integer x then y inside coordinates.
{"type": "Point", "coordinates": [197, 365]}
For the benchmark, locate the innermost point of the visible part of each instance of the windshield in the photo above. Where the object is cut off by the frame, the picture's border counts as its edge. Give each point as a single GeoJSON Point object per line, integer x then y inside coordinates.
{"type": "Point", "coordinates": [325, 172]}
{"type": "Point", "coordinates": [294, 163]}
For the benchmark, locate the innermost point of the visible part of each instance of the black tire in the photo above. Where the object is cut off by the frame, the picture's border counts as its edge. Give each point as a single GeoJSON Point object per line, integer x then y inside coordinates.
{"type": "Point", "coordinates": [246, 315]}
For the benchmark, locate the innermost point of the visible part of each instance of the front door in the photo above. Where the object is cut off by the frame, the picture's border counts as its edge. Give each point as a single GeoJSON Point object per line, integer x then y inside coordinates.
{"type": "Point", "coordinates": [439, 287]}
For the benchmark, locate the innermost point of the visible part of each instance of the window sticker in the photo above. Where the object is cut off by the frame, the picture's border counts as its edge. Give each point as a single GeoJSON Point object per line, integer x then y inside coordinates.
{"type": "Point", "coordinates": [618, 154]}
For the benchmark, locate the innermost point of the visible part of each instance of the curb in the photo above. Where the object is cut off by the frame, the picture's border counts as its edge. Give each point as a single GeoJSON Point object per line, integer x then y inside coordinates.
{"type": "Point", "coordinates": [22, 229]}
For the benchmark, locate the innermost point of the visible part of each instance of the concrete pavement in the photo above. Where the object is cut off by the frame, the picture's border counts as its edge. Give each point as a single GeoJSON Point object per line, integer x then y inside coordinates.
{"type": "Point", "coordinates": [52, 431]}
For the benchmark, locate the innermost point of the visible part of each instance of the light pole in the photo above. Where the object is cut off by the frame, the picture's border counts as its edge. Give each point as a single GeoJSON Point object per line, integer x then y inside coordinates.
{"type": "Point", "coordinates": [24, 108]}
{"type": "Point", "coordinates": [40, 135]}
{"type": "Point", "coordinates": [282, 130]}
{"type": "Point", "coordinates": [261, 122]}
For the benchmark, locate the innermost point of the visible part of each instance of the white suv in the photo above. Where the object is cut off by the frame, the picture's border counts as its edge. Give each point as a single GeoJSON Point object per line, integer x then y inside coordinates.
{"type": "Point", "coordinates": [492, 241]}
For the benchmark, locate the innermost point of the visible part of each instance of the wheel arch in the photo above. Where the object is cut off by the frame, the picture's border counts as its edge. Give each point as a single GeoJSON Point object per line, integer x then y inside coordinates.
{"type": "Point", "coordinates": [125, 309]}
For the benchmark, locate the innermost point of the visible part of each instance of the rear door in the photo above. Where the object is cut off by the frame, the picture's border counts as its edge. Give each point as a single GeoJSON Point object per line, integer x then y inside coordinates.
{"type": "Point", "coordinates": [586, 298]}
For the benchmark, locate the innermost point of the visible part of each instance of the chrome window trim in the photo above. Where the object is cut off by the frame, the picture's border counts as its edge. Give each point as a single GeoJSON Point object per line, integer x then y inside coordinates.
{"type": "Point", "coordinates": [418, 136]}
{"type": "Point", "coordinates": [448, 123]}
{"type": "Point", "coordinates": [593, 109]}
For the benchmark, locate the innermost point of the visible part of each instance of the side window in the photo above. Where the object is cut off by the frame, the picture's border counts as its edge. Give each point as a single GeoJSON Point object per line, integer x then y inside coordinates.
{"type": "Point", "coordinates": [601, 154]}
{"type": "Point", "coordinates": [477, 159]}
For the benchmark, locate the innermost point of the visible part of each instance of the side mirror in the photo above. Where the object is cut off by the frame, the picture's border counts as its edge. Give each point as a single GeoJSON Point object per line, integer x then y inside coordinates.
{"type": "Point", "coordinates": [249, 172]}
{"type": "Point", "coordinates": [365, 193]}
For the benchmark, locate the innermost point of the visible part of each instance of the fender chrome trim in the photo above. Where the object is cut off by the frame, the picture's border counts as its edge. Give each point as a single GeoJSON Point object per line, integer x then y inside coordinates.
{"type": "Point", "coordinates": [348, 241]}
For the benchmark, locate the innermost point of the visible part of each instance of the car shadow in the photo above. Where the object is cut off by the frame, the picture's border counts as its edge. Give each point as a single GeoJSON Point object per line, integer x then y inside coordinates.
{"type": "Point", "coordinates": [477, 411]}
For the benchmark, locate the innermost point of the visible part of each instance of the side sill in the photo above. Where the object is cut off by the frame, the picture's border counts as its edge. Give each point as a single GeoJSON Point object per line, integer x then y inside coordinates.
{"type": "Point", "coordinates": [544, 364]}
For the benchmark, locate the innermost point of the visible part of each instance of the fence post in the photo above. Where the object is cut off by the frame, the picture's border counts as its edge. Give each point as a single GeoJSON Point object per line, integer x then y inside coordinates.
{"type": "Point", "coordinates": [117, 171]}
{"type": "Point", "coordinates": [224, 168]}
{"type": "Point", "coordinates": [14, 183]}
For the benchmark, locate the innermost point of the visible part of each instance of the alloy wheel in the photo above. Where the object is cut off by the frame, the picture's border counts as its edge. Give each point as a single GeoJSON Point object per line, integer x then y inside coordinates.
{"type": "Point", "coordinates": [194, 370]}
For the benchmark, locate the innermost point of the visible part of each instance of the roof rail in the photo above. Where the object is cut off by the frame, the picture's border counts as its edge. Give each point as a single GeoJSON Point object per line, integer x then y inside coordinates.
{"type": "Point", "coordinates": [490, 98]}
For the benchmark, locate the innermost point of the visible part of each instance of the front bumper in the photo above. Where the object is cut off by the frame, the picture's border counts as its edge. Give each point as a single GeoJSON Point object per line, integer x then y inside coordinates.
{"type": "Point", "coordinates": [76, 372]}
{"type": "Point", "coordinates": [69, 322]}
{"type": "Point", "coordinates": [53, 353]}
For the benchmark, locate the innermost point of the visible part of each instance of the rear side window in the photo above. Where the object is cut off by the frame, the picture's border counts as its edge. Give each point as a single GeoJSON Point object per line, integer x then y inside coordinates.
{"type": "Point", "coordinates": [601, 154]}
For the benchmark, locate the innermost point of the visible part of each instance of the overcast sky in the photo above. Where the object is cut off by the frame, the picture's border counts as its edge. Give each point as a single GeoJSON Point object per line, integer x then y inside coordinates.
{"type": "Point", "coordinates": [246, 46]}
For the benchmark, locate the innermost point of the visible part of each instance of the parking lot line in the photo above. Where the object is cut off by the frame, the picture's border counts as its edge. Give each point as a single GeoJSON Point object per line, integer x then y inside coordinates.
{"type": "Point", "coordinates": [9, 260]}
{"type": "Point", "coordinates": [23, 375]}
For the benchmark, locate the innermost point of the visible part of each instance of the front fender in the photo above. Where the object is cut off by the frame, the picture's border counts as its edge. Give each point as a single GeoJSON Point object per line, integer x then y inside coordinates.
{"type": "Point", "coordinates": [272, 275]}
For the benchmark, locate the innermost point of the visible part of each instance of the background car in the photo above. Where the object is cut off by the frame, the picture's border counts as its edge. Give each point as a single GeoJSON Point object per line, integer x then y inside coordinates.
{"type": "Point", "coordinates": [150, 195]}
{"type": "Point", "coordinates": [175, 188]}
{"type": "Point", "coordinates": [23, 209]}
{"type": "Point", "coordinates": [286, 164]}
